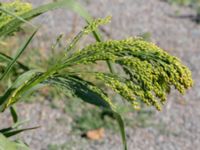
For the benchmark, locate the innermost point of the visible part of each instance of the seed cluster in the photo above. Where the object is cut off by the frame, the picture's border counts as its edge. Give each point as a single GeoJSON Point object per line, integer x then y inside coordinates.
{"type": "Point", "coordinates": [95, 24]}
{"type": "Point", "coordinates": [150, 70]}
{"type": "Point", "coordinates": [17, 7]}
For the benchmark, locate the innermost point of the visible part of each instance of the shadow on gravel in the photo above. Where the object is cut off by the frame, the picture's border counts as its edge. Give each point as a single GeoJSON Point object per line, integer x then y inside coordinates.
{"type": "Point", "coordinates": [192, 17]}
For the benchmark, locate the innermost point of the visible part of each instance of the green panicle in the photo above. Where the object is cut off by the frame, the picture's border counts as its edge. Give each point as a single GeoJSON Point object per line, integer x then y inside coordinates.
{"type": "Point", "coordinates": [17, 7]}
{"type": "Point", "coordinates": [95, 24]}
{"type": "Point", "coordinates": [150, 70]}
{"type": "Point", "coordinates": [117, 85]}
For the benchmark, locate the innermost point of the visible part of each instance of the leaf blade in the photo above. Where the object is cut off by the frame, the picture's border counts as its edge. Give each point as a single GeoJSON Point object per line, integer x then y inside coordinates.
{"type": "Point", "coordinates": [14, 114]}
{"type": "Point", "coordinates": [120, 122]}
{"type": "Point", "coordinates": [15, 132]}
{"type": "Point", "coordinates": [20, 51]}
{"type": "Point", "coordinates": [80, 88]}
{"type": "Point", "coordinates": [12, 25]}
{"type": "Point", "coordinates": [6, 144]}
{"type": "Point", "coordinates": [110, 107]}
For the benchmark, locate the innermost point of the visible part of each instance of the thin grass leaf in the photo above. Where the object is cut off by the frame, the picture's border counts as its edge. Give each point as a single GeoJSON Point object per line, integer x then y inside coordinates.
{"type": "Point", "coordinates": [7, 59]}
{"type": "Point", "coordinates": [19, 20]}
{"type": "Point", "coordinates": [20, 51]}
{"type": "Point", "coordinates": [14, 127]}
{"type": "Point", "coordinates": [14, 114]}
{"type": "Point", "coordinates": [11, 129]}
{"type": "Point", "coordinates": [15, 132]}
{"type": "Point", "coordinates": [120, 122]}
{"type": "Point", "coordinates": [6, 130]}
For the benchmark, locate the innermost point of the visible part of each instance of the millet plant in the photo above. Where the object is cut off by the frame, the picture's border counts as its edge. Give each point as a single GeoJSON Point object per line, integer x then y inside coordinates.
{"type": "Point", "coordinates": [149, 71]}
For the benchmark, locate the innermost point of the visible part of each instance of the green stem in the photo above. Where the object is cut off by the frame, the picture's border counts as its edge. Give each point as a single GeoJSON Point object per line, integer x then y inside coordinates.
{"type": "Point", "coordinates": [98, 39]}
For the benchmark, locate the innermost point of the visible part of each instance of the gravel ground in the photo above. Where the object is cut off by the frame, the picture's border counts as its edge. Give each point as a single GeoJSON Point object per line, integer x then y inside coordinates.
{"type": "Point", "coordinates": [181, 115]}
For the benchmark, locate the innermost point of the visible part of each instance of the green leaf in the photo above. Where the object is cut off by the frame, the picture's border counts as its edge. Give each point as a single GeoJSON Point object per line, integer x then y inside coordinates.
{"type": "Point", "coordinates": [120, 122]}
{"type": "Point", "coordinates": [15, 132]}
{"type": "Point", "coordinates": [80, 88]}
{"type": "Point", "coordinates": [20, 51]}
{"type": "Point", "coordinates": [14, 114]}
{"type": "Point", "coordinates": [9, 97]}
{"type": "Point", "coordinates": [6, 144]}
{"type": "Point", "coordinates": [89, 93]}
{"type": "Point", "coordinates": [19, 20]}
{"type": "Point", "coordinates": [6, 130]}
{"type": "Point", "coordinates": [7, 59]}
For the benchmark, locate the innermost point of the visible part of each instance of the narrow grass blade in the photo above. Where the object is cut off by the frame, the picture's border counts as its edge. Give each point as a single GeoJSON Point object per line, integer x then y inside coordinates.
{"type": "Point", "coordinates": [6, 130]}
{"type": "Point", "coordinates": [14, 114]}
{"type": "Point", "coordinates": [122, 129]}
{"type": "Point", "coordinates": [19, 20]}
{"type": "Point", "coordinates": [20, 51]}
{"type": "Point", "coordinates": [8, 59]}
{"type": "Point", "coordinates": [15, 132]}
